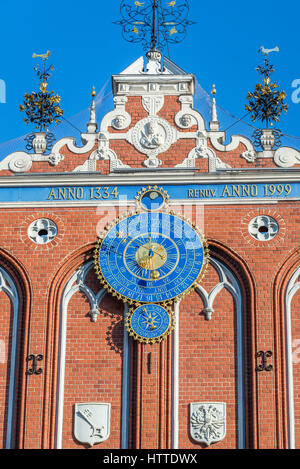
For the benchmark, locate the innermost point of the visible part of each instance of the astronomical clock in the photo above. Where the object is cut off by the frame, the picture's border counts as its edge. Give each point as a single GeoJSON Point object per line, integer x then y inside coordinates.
{"type": "Point", "coordinates": [149, 259]}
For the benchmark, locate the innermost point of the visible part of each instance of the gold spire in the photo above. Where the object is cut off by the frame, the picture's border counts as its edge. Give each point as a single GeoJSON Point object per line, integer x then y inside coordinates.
{"type": "Point", "coordinates": [93, 93]}
{"type": "Point", "coordinates": [213, 90]}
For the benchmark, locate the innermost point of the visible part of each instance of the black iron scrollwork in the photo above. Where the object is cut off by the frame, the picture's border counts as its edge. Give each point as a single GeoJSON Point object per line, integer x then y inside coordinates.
{"type": "Point", "coordinates": [276, 136]}
{"type": "Point", "coordinates": [34, 370]}
{"type": "Point", "coordinates": [154, 23]}
{"type": "Point", "coordinates": [264, 356]}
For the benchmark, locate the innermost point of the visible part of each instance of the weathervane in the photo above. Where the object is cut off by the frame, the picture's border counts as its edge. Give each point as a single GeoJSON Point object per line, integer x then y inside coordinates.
{"type": "Point", "coordinates": [154, 23]}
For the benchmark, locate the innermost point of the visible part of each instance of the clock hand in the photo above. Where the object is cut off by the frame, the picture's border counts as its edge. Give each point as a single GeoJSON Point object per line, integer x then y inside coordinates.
{"type": "Point", "coordinates": [160, 255]}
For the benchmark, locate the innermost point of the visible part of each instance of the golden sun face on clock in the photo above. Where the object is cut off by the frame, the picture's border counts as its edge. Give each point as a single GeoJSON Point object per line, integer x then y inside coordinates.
{"type": "Point", "coordinates": [151, 256]}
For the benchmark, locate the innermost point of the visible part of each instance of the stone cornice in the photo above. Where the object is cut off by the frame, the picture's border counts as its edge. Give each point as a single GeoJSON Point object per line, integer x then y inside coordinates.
{"type": "Point", "coordinates": [137, 85]}
{"type": "Point", "coordinates": [147, 177]}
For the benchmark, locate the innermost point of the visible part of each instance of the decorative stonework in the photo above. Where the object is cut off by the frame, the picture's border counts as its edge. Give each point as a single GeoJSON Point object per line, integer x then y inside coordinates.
{"type": "Point", "coordinates": [152, 136]}
{"type": "Point", "coordinates": [42, 221]}
{"type": "Point", "coordinates": [263, 228]}
{"type": "Point", "coordinates": [92, 423]}
{"type": "Point", "coordinates": [262, 219]}
{"type": "Point", "coordinates": [202, 151]}
{"type": "Point", "coordinates": [217, 138]}
{"type": "Point", "coordinates": [249, 155]}
{"type": "Point", "coordinates": [39, 143]}
{"type": "Point", "coordinates": [187, 116]}
{"type": "Point", "coordinates": [153, 104]}
{"type": "Point", "coordinates": [186, 121]}
{"type": "Point", "coordinates": [118, 119]}
{"type": "Point", "coordinates": [42, 231]}
{"type": "Point", "coordinates": [119, 122]}
{"type": "Point", "coordinates": [226, 281]}
{"type": "Point", "coordinates": [19, 162]}
{"type": "Point", "coordinates": [286, 157]}
{"type": "Point", "coordinates": [208, 422]}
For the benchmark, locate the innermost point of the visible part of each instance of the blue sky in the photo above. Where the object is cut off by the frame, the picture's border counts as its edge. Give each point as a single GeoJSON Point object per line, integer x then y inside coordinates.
{"type": "Point", "coordinates": [221, 48]}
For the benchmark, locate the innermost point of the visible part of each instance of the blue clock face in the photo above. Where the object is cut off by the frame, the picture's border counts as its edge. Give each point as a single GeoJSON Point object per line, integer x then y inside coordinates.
{"type": "Point", "coordinates": [151, 257]}
{"type": "Point", "coordinates": [150, 323]}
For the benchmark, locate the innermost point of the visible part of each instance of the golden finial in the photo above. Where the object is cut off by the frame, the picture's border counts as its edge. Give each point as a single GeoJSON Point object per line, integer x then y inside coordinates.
{"type": "Point", "coordinates": [43, 87]}
{"type": "Point", "coordinates": [93, 93]}
{"type": "Point", "coordinates": [213, 90]}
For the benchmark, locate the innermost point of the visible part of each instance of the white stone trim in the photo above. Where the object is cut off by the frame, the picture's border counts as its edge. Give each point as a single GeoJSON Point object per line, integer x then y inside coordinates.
{"type": "Point", "coordinates": [187, 109]}
{"type": "Point", "coordinates": [230, 283]}
{"type": "Point", "coordinates": [151, 177]}
{"type": "Point", "coordinates": [119, 110]}
{"type": "Point", "coordinates": [292, 287]}
{"type": "Point", "coordinates": [125, 386]}
{"type": "Point", "coordinates": [130, 203]}
{"type": "Point", "coordinates": [162, 83]}
{"type": "Point", "coordinates": [235, 141]}
{"type": "Point", "coordinates": [8, 286]}
{"type": "Point", "coordinates": [138, 68]}
{"type": "Point", "coordinates": [21, 161]}
{"type": "Point", "coordinates": [175, 381]}
{"type": "Point", "coordinates": [70, 289]}
{"type": "Point", "coordinates": [286, 157]}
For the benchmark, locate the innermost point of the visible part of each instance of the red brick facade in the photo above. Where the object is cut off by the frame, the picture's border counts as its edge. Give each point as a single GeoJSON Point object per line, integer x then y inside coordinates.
{"type": "Point", "coordinates": [208, 351]}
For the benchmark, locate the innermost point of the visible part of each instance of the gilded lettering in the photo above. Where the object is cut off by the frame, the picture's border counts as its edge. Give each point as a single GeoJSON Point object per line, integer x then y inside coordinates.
{"type": "Point", "coordinates": [226, 192]}
{"type": "Point", "coordinates": [52, 195]}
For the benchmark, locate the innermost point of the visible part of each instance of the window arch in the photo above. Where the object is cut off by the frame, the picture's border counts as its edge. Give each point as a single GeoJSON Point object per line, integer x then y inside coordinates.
{"type": "Point", "coordinates": [292, 287]}
{"type": "Point", "coordinates": [8, 286]}
{"type": "Point", "coordinates": [77, 282]}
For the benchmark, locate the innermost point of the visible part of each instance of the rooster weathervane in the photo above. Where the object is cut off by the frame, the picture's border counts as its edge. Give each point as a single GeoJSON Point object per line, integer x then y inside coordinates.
{"type": "Point", "coordinates": [154, 23]}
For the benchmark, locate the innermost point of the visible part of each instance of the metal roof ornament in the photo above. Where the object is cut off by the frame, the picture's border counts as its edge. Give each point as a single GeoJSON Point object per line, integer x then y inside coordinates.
{"type": "Point", "coordinates": [42, 108]}
{"type": "Point", "coordinates": [266, 104]}
{"type": "Point", "coordinates": [154, 23]}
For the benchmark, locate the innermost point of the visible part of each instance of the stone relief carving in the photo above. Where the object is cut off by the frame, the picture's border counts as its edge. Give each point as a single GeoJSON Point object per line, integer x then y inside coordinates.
{"type": "Point", "coordinates": [208, 422]}
{"type": "Point", "coordinates": [286, 157]}
{"type": "Point", "coordinates": [152, 136]}
{"type": "Point", "coordinates": [249, 155]}
{"type": "Point", "coordinates": [153, 103]}
{"type": "Point", "coordinates": [203, 151]}
{"type": "Point", "coordinates": [118, 122]}
{"type": "Point", "coordinates": [21, 162]}
{"type": "Point", "coordinates": [187, 116]}
{"type": "Point", "coordinates": [119, 118]}
{"type": "Point", "coordinates": [186, 120]}
{"type": "Point", "coordinates": [91, 423]}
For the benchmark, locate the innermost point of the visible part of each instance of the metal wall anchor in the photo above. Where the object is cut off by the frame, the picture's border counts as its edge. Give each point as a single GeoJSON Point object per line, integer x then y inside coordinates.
{"type": "Point", "coordinates": [34, 370]}
{"type": "Point", "coordinates": [264, 356]}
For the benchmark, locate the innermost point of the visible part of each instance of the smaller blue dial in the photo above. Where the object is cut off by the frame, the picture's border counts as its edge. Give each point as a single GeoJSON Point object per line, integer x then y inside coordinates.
{"type": "Point", "coordinates": [152, 200]}
{"type": "Point", "coordinates": [150, 322]}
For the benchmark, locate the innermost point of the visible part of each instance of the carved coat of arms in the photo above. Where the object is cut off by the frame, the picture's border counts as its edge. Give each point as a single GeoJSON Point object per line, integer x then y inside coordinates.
{"type": "Point", "coordinates": [208, 422]}
{"type": "Point", "coordinates": [91, 423]}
